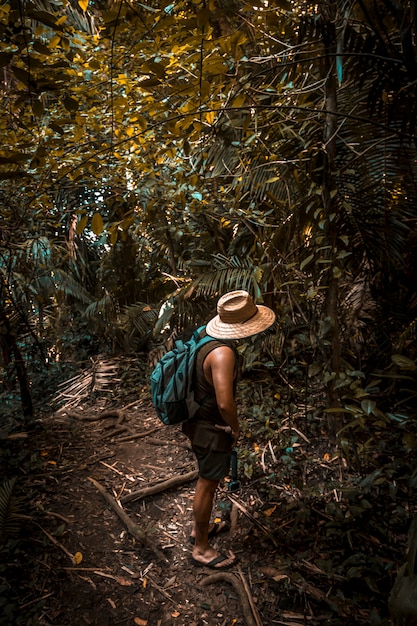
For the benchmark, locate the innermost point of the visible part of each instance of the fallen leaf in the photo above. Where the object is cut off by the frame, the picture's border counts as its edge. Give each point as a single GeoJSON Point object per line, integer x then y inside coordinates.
{"type": "Point", "coordinates": [125, 582]}
{"type": "Point", "coordinates": [170, 582]}
{"type": "Point", "coordinates": [175, 614]}
{"type": "Point", "coordinates": [78, 557]}
{"type": "Point", "coordinates": [273, 573]}
{"type": "Point", "coordinates": [140, 622]}
{"type": "Point", "coordinates": [269, 512]}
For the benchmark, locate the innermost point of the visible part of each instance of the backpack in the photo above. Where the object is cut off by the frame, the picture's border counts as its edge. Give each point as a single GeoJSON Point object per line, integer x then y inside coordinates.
{"type": "Point", "coordinates": [172, 380]}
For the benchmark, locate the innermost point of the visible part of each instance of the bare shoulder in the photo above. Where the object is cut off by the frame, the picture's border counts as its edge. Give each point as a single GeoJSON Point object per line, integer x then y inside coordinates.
{"type": "Point", "coordinates": [223, 353]}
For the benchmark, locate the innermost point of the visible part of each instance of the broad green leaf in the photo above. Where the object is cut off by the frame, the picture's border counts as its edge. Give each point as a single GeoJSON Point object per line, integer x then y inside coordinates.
{"type": "Point", "coordinates": [97, 224]}
{"type": "Point", "coordinates": [12, 157]}
{"type": "Point", "coordinates": [239, 100]}
{"type": "Point", "coordinates": [403, 362]}
{"type": "Point", "coordinates": [70, 104]}
{"type": "Point", "coordinates": [306, 261]}
{"type": "Point", "coordinates": [37, 107]}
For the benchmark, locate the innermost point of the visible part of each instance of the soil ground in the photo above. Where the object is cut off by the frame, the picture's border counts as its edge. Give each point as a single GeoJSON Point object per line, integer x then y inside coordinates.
{"type": "Point", "coordinates": [82, 566]}
{"type": "Point", "coordinates": [97, 573]}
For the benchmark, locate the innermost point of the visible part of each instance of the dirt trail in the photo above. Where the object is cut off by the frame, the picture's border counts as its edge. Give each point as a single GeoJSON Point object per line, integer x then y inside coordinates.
{"type": "Point", "coordinates": [91, 570]}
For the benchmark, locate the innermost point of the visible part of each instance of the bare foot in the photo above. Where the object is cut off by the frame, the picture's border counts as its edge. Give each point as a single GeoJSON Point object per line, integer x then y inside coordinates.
{"type": "Point", "coordinates": [213, 559]}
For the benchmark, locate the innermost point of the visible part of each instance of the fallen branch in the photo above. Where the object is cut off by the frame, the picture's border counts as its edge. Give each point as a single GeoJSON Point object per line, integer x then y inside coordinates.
{"type": "Point", "coordinates": [145, 433]}
{"type": "Point", "coordinates": [115, 413]}
{"type": "Point", "coordinates": [163, 486]}
{"type": "Point", "coordinates": [240, 590]}
{"type": "Point", "coordinates": [58, 516]}
{"type": "Point", "coordinates": [250, 598]}
{"type": "Point", "coordinates": [58, 544]}
{"type": "Point", "coordinates": [131, 526]}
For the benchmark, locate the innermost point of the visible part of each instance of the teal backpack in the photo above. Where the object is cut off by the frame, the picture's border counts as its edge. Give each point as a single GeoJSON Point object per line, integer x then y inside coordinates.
{"type": "Point", "coordinates": [172, 380]}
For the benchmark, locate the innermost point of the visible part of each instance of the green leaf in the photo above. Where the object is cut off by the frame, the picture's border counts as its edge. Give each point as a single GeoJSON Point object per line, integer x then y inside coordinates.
{"type": "Point", "coordinates": [306, 261]}
{"type": "Point", "coordinates": [403, 362]}
{"type": "Point", "coordinates": [37, 107]}
{"type": "Point", "coordinates": [70, 103]}
{"type": "Point", "coordinates": [368, 406]}
{"type": "Point", "coordinates": [82, 224]}
{"type": "Point", "coordinates": [97, 224]}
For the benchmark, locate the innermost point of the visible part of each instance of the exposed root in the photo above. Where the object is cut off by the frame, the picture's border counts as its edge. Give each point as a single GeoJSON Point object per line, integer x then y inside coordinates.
{"type": "Point", "coordinates": [131, 526]}
{"type": "Point", "coordinates": [239, 587]}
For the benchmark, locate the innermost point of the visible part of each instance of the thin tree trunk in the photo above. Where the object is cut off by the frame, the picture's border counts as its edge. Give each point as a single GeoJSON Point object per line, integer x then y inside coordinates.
{"type": "Point", "coordinates": [331, 307]}
{"type": "Point", "coordinates": [13, 349]}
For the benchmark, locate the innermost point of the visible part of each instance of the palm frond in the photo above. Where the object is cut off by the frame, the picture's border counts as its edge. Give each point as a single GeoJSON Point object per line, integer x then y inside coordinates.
{"type": "Point", "coordinates": [70, 287]}
{"type": "Point", "coordinates": [137, 321]}
{"type": "Point", "coordinates": [102, 376]}
{"type": "Point", "coordinates": [10, 506]}
{"type": "Point", "coordinates": [102, 311]}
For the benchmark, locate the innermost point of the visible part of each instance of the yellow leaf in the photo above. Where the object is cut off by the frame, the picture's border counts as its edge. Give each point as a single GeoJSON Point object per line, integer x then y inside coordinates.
{"type": "Point", "coordinates": [54, 41]}
{"type": "Point", "coordinates": [78, 133]}
{"type": "Point", "coordinates": [78, 557]}
{"type": "Point", "coordinates": [83, 4]}
{"type": "Point", "coordinates": [210, 117]}
{"type": "Point", "coordinates": [97, 224]}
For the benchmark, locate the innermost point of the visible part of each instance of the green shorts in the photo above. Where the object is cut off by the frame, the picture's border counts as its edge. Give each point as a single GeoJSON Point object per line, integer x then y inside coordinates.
{"type": "Point", "coordinates": [212, 465]}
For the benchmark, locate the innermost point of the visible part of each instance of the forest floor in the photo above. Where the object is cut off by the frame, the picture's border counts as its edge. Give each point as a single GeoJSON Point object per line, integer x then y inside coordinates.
{"type": "Point", "coordinates": [98, 549]}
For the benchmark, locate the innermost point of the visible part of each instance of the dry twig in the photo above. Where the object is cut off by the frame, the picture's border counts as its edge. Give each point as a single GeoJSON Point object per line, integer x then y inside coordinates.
{"type": "Point", "coordinates": [162, 486]}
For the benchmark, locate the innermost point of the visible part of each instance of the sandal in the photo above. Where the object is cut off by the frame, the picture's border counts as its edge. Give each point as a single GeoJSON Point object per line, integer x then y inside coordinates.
{"type": "Point", "coordinates": [217, 528]}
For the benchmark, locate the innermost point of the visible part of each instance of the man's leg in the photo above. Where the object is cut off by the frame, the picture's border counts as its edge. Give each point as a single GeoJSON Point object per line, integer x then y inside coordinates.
{"type": "Point", "coordinates": [202, 507]}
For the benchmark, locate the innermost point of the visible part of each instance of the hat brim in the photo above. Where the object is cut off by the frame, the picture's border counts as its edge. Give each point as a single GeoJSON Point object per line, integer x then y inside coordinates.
{"type": "Point", "coordinates": [263, 319]}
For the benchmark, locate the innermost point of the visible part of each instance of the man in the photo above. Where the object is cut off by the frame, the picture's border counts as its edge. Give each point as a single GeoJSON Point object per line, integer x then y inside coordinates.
{"type": "Point", "coordinates": [214, 431]}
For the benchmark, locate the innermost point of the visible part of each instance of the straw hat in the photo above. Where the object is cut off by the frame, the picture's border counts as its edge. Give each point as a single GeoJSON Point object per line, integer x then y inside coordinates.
{"type": "Point", "coordinates": [239, 317]}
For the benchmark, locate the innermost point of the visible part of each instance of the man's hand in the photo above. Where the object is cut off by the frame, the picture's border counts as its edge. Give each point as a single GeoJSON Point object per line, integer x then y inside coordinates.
{"type": "Point", "coordinates": [229, 430]}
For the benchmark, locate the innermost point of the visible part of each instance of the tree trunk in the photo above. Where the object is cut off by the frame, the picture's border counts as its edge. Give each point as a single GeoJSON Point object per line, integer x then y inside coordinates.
{"type": "Point", "coordinates": [10, 344]}
{"type": "Point", "coordinates": [331, 306]}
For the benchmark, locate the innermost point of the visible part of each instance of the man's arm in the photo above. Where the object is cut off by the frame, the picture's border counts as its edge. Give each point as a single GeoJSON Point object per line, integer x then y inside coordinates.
{"type": "Point", "coordinates": [219, 369]}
